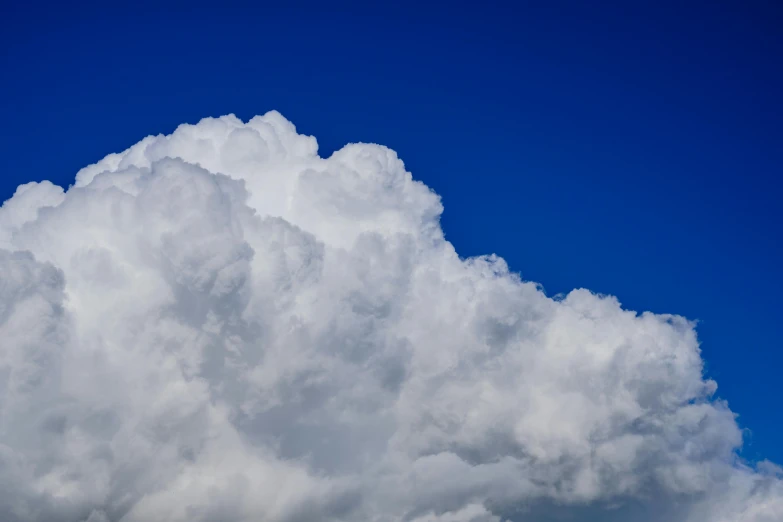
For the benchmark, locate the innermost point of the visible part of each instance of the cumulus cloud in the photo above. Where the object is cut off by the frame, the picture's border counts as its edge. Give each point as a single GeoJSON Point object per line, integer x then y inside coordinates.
{"type": "Point", "coordinates": [221, 325]}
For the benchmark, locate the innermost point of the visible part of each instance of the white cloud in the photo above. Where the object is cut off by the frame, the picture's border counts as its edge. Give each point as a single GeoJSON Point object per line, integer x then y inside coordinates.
{"type": "Point", "coordinates": [221, 325]}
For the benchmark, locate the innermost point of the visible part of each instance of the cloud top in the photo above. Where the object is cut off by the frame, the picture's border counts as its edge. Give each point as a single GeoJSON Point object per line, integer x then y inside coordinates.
{"type": "Point", "coordinates": [219, 324]}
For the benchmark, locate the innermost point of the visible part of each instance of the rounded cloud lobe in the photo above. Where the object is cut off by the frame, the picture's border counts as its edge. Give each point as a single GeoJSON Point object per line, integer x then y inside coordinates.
{"type": "Point", "coordinates": [219, 324]}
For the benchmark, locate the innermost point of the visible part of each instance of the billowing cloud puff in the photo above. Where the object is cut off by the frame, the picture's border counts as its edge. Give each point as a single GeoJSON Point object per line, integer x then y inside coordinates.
{"type": "Point", "coordinates": [220, 325]}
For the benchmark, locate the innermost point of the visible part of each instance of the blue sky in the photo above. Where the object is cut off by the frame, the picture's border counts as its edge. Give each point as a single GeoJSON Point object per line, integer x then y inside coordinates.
{"type": "Point", "coordinates": [632, 150]}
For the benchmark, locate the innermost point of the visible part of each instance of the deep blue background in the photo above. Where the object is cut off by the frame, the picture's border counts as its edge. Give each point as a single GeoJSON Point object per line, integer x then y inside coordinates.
{"type": "Point", "coordinates": [631, 148]}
